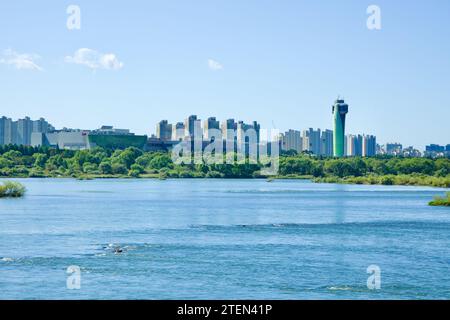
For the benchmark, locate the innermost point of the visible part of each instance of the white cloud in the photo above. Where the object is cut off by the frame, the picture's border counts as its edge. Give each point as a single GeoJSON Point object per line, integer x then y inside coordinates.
{"type": "Point", "coordinates": [214, 65]}
{"type": "Point", "coordinates": [21, 61]}
{"type": "Point", "coordinates": [94, 59]}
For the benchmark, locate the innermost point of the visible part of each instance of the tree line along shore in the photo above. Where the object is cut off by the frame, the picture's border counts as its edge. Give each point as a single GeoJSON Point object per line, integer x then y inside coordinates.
{"type": "Point", "coordinates": [30, 162]}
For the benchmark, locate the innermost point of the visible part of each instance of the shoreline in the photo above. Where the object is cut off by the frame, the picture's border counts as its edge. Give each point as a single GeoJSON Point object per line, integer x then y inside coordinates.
{"type": "Point", "coordinates": [366, 180]}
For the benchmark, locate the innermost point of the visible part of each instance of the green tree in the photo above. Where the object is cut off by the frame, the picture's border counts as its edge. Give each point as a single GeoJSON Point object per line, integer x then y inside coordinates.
{"type": "Point", "coordinates": [138, 168]}
{"type": "Point", "coordinates": [40, 159]}
{"type": "Point", "coordinates": [105, 167]}
{"type": "Point", "coordinates": [118, 168]}
{"type": "Point", "coordinates": [161, 161]}
{"type": "Point", "coordinates": [127, 156]}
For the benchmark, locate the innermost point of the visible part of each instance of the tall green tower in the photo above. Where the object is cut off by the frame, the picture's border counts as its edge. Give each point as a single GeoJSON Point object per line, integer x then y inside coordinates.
{"type": "Point", "coordinates": [340, 109]}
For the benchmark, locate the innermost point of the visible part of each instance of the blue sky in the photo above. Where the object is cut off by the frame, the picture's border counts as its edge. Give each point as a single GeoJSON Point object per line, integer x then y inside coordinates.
{"type": "Point", "coordinates": [282, 63]}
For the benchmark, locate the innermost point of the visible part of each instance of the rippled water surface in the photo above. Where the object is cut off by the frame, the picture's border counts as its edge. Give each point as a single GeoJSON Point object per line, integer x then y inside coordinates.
{"type": "Point", "coordinates": [222, 239]}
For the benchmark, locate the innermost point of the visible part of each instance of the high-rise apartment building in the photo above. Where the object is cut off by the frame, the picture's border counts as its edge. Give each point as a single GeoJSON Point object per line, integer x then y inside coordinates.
{"type": "Point", "coordinates": [394, 149]}
{"type": "Point", "coordinates": [42, 125]}
{"type": "Point", "coordinates": [5, 128]}
{"type": "Point", "coordinates": [178, 131]}
{"type": "Point", "coordinates": [369, 146]}
{"type": "Point", "coordinates": [210, 126]}
{"type": "Point", "coordinates": [354, 145]}
{"type": "Point", "coordinates": [24, 130]}
{"type": "Point", "coordinates": [311, 140]}
{"type": "Point", "coordinates": [292, 140]}
{"type": "Point", "coordinates": [229, 128]}
{"type": "Point", "coordinates": [164, 130]}
{"type": "Point", "coordinates": [193, 127]}
{"type": "Point", "coordinates": [19, 132]}
{"type": "Point", "coordinates": [326, 143]}
{"type": "Point", "coordinates": [244, 132]}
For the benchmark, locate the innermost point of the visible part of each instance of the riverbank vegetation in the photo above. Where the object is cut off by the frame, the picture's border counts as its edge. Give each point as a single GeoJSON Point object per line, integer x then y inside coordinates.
{"type": "Point", "coordinates": [22, 161]}
{"type": "Point", "coordinates": [11, 189]}
{"type": "Point", "coordinates": [441, 201]}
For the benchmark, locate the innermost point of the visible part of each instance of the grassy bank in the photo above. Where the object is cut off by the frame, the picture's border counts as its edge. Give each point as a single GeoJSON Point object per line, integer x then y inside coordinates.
{"type": "Point", "coordinates": [441, 201]}
{"type": "Point", "coordinates": [11, 189]}
{"type": "Point", "coordinates": [401, 180]}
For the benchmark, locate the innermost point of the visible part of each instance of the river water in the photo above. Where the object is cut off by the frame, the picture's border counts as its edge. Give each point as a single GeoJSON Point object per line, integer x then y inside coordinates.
{"type": "Point", "coordinates": [222, 239]}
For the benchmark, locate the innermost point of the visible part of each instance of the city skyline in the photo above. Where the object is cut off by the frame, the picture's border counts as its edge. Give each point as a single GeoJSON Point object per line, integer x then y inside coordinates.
{"type": "Point", "coordinates": [284, 73]}
{"type": "Point", "coordinates": [27, 131]}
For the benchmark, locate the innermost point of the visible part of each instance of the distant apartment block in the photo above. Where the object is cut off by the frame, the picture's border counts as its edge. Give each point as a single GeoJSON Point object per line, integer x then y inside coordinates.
{"type": "Point", "coordinates": [292, 140]}
{"type": "Point", "coordinates": [411, 152]}
{"type": "Point", "coordinates": [360, 145]}
{"type": "Point", "coordinates": [19, 132]}
{"type": "Point", "coordinates": [354, 145]}
{"type": "Point", "coordinates": [229, 128]}
{"type": "Point", "coordinates": [435, 150]}
{"type": "Point", "coordinates": [393, 149]}
{"type": "Point", "coordinates": [369, 146]}
{"type": "Point", "coordinates": [247, 132]}
{"type": "Point", "coordinates": [193, 127]}
{"type": "Point", "coordinates": [164, 130]}
{"type": "Point", "coordinates": [326, 143]}
{"type": "Point", "coordinates": [178, 131]}
{"type": "Point", "coordinates": [312, 141]}
{"type": "Point", "coordinates": [211, 129]}
{"type": "Point", "coordinates": [317, 142]}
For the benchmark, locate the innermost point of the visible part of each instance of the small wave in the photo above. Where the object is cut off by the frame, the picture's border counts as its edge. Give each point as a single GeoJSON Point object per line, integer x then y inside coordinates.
{"type": "Point", "coordinates": [95, 191]}
{"type": "Point", "coordinates": [345, 288]}
{"type": "Point", "coordinates": [7, 259]}
{"type": "Point", "coordinates": [382, 223]}
{"type": "Point", "coordinates": [116, 248]}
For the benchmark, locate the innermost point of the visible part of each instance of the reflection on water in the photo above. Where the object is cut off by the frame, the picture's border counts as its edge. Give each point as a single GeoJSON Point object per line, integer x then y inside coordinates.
{"type": "Point", "coordinates": [339, 203]}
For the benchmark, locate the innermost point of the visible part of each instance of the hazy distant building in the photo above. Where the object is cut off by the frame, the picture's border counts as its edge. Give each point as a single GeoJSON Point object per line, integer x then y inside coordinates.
{"type": "Point", "coordinates": [178, 131]}
{"type": "Point", "coordinates": [243, 130]}
{"type": "Point", "coordinates": [434, 148]}
{"type": "Point", "coordinates": [42, 125]}
{"type": "Point", "coordinates": [369, 146]}
{"type": "Point", "coordinates": [340, 110]}
{"type": "Point", "coordinates": [240, 132]}
{"type": "Point", "coordinates": [110, 130]}
{"type": "Point", "coordinates": [354, 145]}
{"type": "Point", "coordinates": [311, 140]}
{"type": "Point", "coordinates": [393, 149]}
{"type": "Point", "coordinates": [247, 137]}
{"type": "Point", "coordinates": [74, 139]}
{"type": "Point", "coordinates": [411, 152]}
{"type": "Point", "coordinates": [210, 125]}
{"type": "Point", "coordinates": [345, 146]}
{"type": "Point", "coordinates": [292, 140]}
{"type": "Point", "coordinates": [193, 127]}
{"type": "Point", "coordinates": [350, 145]}
{"type": "Point", "coordinates": [63, 139]}
{"type": "Point", "coordinates": [5, 130]}
{"type": "Point", "coordinates": [229, 128]}
{"type": "Point", "coordinates": [326, 143]}
{"type": "Point", "coordinates": [24, 130]}
{"type": "Point", "coordinates": [164, 130]}
{"type": "Point", "coordinates": [19, 132]}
